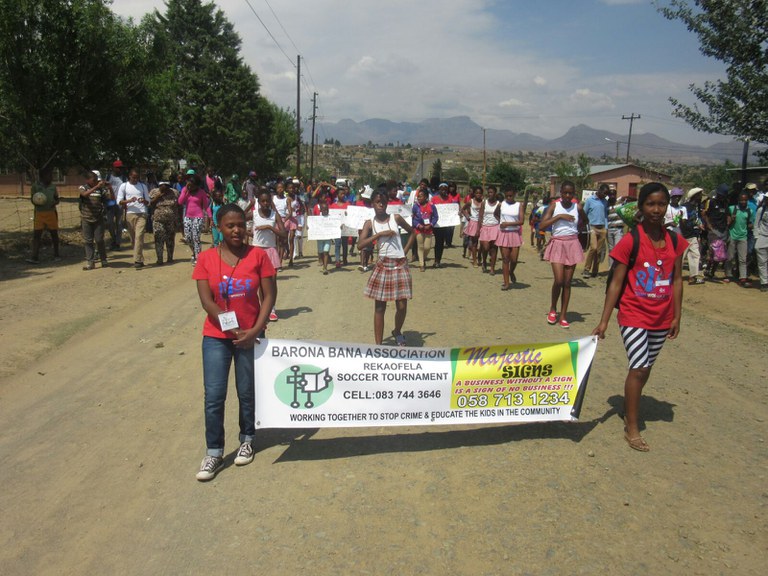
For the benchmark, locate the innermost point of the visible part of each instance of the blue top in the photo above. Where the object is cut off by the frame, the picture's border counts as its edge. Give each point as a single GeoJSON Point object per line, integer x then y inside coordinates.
{"type": "Point", "coordinates": [596, 211]}
{"type": "Point", "coordinates": [426, 214]}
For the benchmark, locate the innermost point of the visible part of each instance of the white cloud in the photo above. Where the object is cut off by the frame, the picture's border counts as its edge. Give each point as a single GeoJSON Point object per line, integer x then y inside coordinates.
{"type": "Point", "coordinates": [584, 98]}
{"type": "Point", "coordinates": [409, 61]}
{"type": "Point", "coordinates": [511, 103]}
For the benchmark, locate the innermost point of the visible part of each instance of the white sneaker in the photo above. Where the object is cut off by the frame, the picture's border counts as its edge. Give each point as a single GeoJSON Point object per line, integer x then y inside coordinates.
{"type": "Point", "coordinates": [209, 467]}
{"type": "Point", "coordinates": [244, 454]}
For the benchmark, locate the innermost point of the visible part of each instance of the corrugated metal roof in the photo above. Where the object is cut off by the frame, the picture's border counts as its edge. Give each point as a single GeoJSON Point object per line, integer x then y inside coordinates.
{"type": "Point", "coordinates": [606, 168]}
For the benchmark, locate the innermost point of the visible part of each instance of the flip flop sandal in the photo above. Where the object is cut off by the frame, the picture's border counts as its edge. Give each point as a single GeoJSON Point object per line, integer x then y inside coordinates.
{"type": "Point", "coordinates": [637, 443]}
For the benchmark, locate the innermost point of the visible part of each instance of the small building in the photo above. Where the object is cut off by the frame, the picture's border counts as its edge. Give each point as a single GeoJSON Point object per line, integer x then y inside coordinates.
{"type": "Point", "coordinates": [626, 178]}
{"type": "Point", "coordinates": [754, 174]}
{"type": "Point", "coordinates": [18, 184]}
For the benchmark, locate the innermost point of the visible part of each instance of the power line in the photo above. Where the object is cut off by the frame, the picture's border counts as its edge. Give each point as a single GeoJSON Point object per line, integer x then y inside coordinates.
{"type": "Point", "coordinates": [281, 25]}
{"type": "Point", "coordinates": [270, 33]}
{"type": "Point", "coordinates": [293, 44]}
{"type": "Point", "coordinates": [302, 80]}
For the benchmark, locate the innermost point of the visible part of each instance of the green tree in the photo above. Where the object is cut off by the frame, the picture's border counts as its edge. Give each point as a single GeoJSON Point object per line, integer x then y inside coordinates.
{"type": "Point", "coordinates": [716, 175]}
{"type": "Point", "coordinates": [280, 141]}
{"type": "Point", "coordinates": [73, 87]}
{"type": "Point", "coordinates": [507, 175]}
{"type": "Point", "coordinates": [735, 32]}
{"type": "Point", "coordinates": [437, 170]}
{"type": "Point", "coordinates": [218, 114]}
{"type": "Point", "coordinates": [457, 173]}
{"type": "Point", "coordinates": [577, 172]}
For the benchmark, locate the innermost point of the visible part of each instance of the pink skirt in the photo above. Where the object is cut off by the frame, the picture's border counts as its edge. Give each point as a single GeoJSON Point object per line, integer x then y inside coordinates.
{"type": "Point", "coordinates": [564, 250]}
{"type": "Point", "coordinates": [510, 239]}
{"type": "Point", "coordinates": [390, 280]}
{"type": "Point", "coordinates": [489, 233]}
{"type": "Point", "coordinates": [290, 224]}
{"type": "Point", "coordinates": [470, 229]}
{"type": "Point", "coordinates": [274, 258]}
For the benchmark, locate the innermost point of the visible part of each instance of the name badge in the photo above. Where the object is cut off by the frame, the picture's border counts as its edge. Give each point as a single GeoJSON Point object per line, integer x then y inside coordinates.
{"type": "Point", "coordinates": [228, 321]}
{"type": "Point", "coordinates": [662, 283]}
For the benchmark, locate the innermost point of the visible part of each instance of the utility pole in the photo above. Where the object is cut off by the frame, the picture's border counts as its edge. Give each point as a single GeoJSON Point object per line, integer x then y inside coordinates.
{"type": "Point", "coordinates": [422, 163]}
{"type": "Point", "coordinates": [744, 157]}
{"type": "Point", "coordinates": [484, 159]}
{"type": "Point", "coordinates": [298, 116]}
{"type": "Point", "coordinates": [631, 119]}
{"type": "Point", "coordinates": [312, 150]}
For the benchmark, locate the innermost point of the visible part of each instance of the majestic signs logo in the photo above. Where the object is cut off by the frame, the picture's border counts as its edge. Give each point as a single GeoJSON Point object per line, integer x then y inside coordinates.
{"type": "Point", "coordinates": [304, 386]}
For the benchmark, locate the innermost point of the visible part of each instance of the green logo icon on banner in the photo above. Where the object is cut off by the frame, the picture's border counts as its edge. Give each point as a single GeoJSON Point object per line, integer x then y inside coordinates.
{"type": "Point", "coordinates": [304, 386]}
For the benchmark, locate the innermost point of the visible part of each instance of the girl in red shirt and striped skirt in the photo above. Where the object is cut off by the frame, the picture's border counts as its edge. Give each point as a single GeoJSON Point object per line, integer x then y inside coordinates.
{"type": "Point", "coordinates": [647, 283]}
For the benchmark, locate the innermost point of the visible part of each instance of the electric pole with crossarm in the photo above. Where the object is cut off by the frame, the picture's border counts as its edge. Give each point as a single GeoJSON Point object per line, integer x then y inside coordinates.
{"type": "Point", "coordinates": [631, 119]}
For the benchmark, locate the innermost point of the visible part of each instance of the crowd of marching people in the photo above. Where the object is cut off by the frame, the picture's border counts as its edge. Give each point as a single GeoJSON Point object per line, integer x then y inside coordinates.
{"type": "Point", "coordinates": [259, 227]}
{"type": "Point", "coordinates": [725, 227]}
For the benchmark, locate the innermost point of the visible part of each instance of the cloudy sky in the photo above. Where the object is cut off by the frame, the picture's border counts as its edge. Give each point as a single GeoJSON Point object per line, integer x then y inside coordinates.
{"type": "Point", "coordinates": [538, 66]}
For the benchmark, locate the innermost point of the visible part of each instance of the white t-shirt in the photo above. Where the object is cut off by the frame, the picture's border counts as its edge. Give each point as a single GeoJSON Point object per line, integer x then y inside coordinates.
{"type": "Point", "coordinates": [281, 205]}
{"type": "Point", "coordinates": [264, 238]}
{"type": "Point", "coordinates": [673, 217]}
{"type": "Point", "coordinates": [510, 213]}
{"type": "Point", "coordinates": [563, 227]}
{"type": "Point", "coordinates": [391, 246]}
{"type": "Point", "coordinates": [133, 193]}
{"type": "Point", "coordinates": [489, 218]}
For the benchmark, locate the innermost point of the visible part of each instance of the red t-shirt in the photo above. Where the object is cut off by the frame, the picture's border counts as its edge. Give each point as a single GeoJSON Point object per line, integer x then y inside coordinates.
{"type": "Point", "coordinates": [437, 199]}
{"type": "Point", "coordinates": [339, 206]}
{"type": "Point", "coordinates": [241, 282]}
{"type": "Point", "coordinates": [647, 299]}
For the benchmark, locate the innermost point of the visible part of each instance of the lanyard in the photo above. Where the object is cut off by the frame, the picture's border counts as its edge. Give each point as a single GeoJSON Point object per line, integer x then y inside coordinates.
{"type": "Point", "coordinates": [228, 279]}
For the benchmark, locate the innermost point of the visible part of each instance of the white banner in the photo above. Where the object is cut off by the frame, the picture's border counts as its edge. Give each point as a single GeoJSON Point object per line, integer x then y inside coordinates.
{"type": "Point", "coordinates": [357, 216]}
{"type": "Point", "coordinates": [305, 384]}
{"type": "Point", "coordinates": [447, 215]}
{"type": "Point", "coordinates": [402, 209]}
{"type": "Point", "coordinates": [325, 227]}
{"type": "Point", "coordinates": [347, 231]}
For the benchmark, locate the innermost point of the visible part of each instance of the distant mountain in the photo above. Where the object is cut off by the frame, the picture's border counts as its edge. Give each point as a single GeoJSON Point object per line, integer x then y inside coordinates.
{"type": "Point", "coordinates": [461, 131]}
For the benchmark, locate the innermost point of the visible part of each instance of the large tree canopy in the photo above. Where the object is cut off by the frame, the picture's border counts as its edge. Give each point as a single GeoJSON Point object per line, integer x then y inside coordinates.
{"type": "Point", "coordinates": [507, 175]}
{"type": "Point", "coordinates": [72, 88]}
{"type": "Point", "coordinates": [736, 32]}
{"type": "Point", "coordinates": [219, 117]}
{"type": "Point", "coordinates": [80, 86]}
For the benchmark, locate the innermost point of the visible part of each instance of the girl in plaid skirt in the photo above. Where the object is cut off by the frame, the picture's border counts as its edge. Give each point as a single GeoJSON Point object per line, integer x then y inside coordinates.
{"type": "Point", "coordinates": [391, 277]}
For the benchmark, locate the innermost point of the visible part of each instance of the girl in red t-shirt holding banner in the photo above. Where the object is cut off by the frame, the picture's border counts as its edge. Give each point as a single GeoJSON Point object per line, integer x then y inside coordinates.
{"type": "Point", "coordinates": [229, 278]}
{"type": "Point", "coordinates": [649, 292]}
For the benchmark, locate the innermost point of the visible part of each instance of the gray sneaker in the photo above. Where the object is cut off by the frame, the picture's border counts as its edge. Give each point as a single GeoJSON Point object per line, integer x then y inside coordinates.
{"type": "Point", "coordinates": [209, 467]}
{"type": "Point", "coordinates": [244, 454]}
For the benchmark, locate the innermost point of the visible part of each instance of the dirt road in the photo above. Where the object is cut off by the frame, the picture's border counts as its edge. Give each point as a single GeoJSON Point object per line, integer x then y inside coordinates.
{"type": "Point", "coordinates": [102, 433]}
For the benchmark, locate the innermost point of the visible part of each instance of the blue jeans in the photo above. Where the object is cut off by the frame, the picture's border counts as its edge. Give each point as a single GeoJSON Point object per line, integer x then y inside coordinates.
{"type": "Point", "coordinates": [217, 358]}
{"type": "Point", "coordinates": [614, 235]}
{"type": "Point", "coordinates": [341, 246]}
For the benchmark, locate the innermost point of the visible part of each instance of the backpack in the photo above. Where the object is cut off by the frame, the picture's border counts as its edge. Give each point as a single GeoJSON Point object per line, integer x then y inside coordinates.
{"type": "Point", "coordinates": [688, 226]}
{"type": "Point", "coordinates": [632, 258]}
